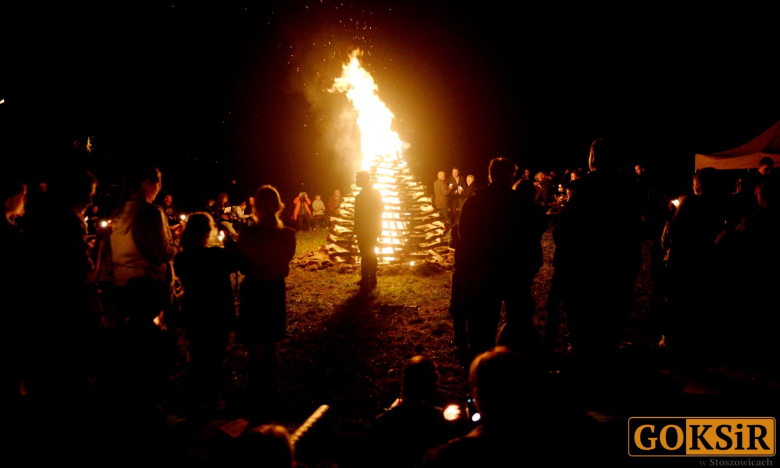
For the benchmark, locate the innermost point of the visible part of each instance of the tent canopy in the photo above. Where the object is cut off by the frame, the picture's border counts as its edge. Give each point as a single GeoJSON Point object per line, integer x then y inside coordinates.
{"type": "Point", "coordinates": [745, 156]}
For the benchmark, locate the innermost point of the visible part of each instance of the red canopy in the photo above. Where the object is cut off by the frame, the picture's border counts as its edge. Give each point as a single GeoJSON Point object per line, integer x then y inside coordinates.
{"type": "Point", "coordinates": [745, 156]}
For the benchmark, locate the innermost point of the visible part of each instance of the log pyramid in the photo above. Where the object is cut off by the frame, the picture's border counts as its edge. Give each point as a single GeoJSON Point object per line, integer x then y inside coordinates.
{"type": "Point", "coordinates": [411, 228]}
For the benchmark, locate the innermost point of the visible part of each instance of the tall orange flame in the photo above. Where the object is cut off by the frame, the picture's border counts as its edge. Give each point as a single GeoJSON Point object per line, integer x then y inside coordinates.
{"type": "Point", "coordinates": [374, 119]}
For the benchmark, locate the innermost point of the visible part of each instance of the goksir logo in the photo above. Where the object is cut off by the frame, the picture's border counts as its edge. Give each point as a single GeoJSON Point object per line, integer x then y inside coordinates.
{"type": "Point", "coordinates": [701, 437]}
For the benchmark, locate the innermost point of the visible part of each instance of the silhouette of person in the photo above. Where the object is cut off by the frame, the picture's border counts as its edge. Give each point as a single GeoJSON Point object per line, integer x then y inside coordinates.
{"type": "Point", "coordinates": [440, 194]}
{"type": "Point", "coordinates": [265, 251]}
{"type": "Point", "coordinates": [756, 330]}
{"type": "Point", "coordinates": [267, 445]}
{"type": "Point", "coordinates": [765, 166]}
{"type": "Point", "coordinates": [368, 226]}
{"type": "Point", "coordinates": [208, 307]}
{"type": "Point", "coordinates": [461, 301]}
{"type": "Point", "coordinates": [514, 399]}
{"type": "Point", "coordinates": [519, 333]}
{"type": "Point", "coordinates": [400, 436]}
{"type": "Point", "coordinates": [456, 184]}
{"type": "Point", "coordinates": [692, 233]}
{"type": "Point", "coordinates": [63, 321]}
{"type": "Point", "coordinates": [500, 237]}
{"type": "Point", "coordinates": [135, 361]}
{"type": "Point", "coordinates": [600, 234]}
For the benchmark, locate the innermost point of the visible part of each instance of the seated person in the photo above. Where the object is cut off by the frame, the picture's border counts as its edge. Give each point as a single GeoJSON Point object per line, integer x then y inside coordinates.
{"type": "Point", "coordinates": [172, 214]}
{"type": "Point", "coordinates": [222, 213]}
{"type": "Point", "coordinates": [401, 435]}
{"type": "Point", "coordinates": [318, 208]}
{"type": "Point", "coordinates": [244, 214]}
{"type": "Point", "coordinates": [513, 396]}
{"type": "Point", "coordinates": [266, 445]}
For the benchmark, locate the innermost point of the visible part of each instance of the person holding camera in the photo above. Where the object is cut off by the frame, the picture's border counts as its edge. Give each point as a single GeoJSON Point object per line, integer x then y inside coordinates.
{"type": "Point", "coordinates": [302, 213]}
{"type": "Point", "coordinates": [517, 415]}
{"type": "Point", "coordinates": [415, 423]}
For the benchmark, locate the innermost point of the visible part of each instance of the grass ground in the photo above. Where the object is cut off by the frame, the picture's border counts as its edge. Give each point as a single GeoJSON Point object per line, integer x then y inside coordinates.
{"type": "Point", "coordinates": [347, 350]}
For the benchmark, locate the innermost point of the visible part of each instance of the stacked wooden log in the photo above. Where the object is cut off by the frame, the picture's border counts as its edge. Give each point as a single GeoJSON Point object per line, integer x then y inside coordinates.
{"type": "Point", "coordinates": [412, 230]}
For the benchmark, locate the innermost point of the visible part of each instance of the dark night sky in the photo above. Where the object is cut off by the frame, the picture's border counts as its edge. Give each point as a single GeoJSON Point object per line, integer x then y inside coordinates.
{"type": "Point", "coordinates": [235, 90]}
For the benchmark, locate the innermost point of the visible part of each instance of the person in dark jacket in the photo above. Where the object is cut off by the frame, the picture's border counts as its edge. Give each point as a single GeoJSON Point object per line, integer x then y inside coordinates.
{"type": "Point", "coordinates": [368, 227]}
{"type": "Point", "coordinates": [208, 307]}
{"type": "Point", "coordinates": [500, 237]}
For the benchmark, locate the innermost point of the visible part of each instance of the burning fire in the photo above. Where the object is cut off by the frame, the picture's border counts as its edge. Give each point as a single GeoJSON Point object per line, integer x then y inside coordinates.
{"type": "Point", "coordinates": [410, 226]}
{"type": "Point", "coordinates": [378, 143]}
{"type": "Point", "coordinates": [374, 118]}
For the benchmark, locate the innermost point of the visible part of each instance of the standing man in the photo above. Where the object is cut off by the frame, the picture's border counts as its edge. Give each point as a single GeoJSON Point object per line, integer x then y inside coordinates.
{"type": "Point", "coordinates": [500, 251]}
{"type": "Point", "coordinates": [440, 193]}
{"type": "Point", "coordinates": [334, 206]}
{"type": "Point", "coordinates": [604, 266]}
{"type": "Point", "coordinates": [469, 188]}
{"type": "Point", "coordinates": [455, 186]}
{"type": "Point", "coordinates": [368, 226]}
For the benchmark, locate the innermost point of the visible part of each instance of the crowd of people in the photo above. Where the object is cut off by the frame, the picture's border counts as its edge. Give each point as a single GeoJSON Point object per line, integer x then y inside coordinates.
{"type": "Point", "coordinates": [63, 360]}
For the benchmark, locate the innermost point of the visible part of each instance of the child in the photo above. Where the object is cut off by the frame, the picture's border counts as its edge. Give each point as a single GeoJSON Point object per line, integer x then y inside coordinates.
{"type": "Point", "coordinates": [208, 306]}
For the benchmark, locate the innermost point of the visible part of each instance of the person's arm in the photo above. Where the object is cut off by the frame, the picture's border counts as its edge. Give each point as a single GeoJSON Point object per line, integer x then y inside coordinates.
{"type": "Point", "coordinates": [438, 189]}
{"type": "Point", "coordinates": [153, 236]}
{"type": "Point", "coordinates": [289, 244]}
{"type": "Point", "coordinates": [100, 240]}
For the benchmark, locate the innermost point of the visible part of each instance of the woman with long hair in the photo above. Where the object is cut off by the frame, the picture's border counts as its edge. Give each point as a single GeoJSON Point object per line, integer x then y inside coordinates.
{"type": "Point", "coordinates": [141, 241]}
{"type": "Point", "coordinates": [265, 250]}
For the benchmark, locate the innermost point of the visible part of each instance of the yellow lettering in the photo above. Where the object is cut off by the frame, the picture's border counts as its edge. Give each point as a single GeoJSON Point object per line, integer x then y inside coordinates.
{"type": "Point", "coordinates": [638, 439]}
{"type": "Point", "coordinates": [680, 440]}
